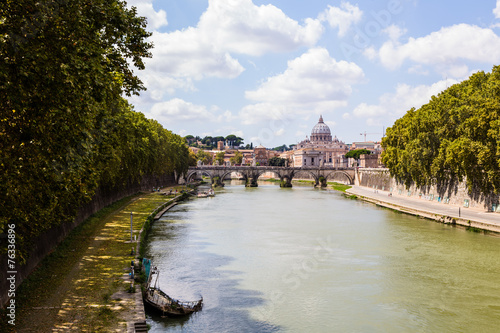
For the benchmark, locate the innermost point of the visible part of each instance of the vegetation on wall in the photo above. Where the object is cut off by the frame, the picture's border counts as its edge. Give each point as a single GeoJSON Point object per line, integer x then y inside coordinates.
{"type": "Point", "coordinates": [65, 129]}
{"type": "Point", "coordinates": [455, 136]}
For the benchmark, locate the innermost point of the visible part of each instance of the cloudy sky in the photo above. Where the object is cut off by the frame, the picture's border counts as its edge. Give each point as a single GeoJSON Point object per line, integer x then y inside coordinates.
{"type": "Point", "coordinates": [266, 69]}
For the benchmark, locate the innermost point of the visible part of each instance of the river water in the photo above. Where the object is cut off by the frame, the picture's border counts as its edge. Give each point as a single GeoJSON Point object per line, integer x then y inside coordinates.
{"type": "Point", "coordinates": [270, 259]}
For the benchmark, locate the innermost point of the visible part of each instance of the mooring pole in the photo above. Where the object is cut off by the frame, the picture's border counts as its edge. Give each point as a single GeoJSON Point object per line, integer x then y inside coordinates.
{"type": "Point", "coordinates": [131, 225]}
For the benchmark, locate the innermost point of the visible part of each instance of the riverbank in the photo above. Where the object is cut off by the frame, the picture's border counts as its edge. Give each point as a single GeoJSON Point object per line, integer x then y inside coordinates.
{"type": "Point", "coordinates": [83, 285]}
{"type": "Point", "coordinates": [475, 219]}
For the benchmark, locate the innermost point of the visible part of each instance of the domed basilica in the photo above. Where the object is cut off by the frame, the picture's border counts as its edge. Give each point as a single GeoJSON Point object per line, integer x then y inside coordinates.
{"type": "Point", "coordinates": [320, 149]}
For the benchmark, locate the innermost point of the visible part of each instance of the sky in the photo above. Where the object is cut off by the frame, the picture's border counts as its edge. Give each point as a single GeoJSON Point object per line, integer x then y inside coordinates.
{"type": "Point", "coordinates": [265, 70]}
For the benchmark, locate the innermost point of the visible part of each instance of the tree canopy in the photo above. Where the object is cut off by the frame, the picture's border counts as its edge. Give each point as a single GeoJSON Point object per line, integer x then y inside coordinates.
{"type": "Point", "coordinates": [277, 161]}
{"type": "Point", "coordinates": [455, 136]}
{"type": "Point", "coordinates": [356, 153]}
{"type": "Point", "coordinates": [237, 158]}
{"type": "Point", "coordinates": [211, 142]}
{"type": "Point", "coordinates": [64, 127]}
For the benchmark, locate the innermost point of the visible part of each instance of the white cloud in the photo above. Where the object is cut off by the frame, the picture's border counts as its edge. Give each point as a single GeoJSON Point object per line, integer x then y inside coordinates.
{"type": "Point", "coordinates": [239, 26]}
{"type": "Point", "coordinates": [394, 105]}
{"type": "Point", "coordinates": [225, 28]}
{"type": "Point", "coordinates": [177, 109]}
{"type": "Point", "coordinates": [312, 80]}
{"type": "Point", "coordinates": [156, 19]}
{"type": "Point", "coordinates": [313, 83]}
{"type": "Point", "coordinates": [263, 112]}
{"type": "Point", "coordinates": [446, 49]}
{"type": "Point", "coordinates": [394, 32]}
{"type": "Point", "coordinates": [496, 11]}
{"type": "Point", "coordinates": [342, 17]}
{"type": "Point", "coordinates": [186, 54]}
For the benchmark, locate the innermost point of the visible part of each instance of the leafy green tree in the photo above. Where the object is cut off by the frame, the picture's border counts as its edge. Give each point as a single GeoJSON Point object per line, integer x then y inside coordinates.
{"type": "Point", "coordinates": [454, 137]}
{"type": "Point", "coordinates": [207, 140]}
{"type": "Point", "coordinates": [64, 66]}
{"type": "Point", "coordinates": [356, 153]}
{"type": "Point", "coordinates": [217, 139]}
{"type": "Point", "coordinates": [204, 157]}
{"type": "Point", "coordinates": [283, 147]}
{"type": "Point", "coordinates": [277, 161]}
{"type": "Point", "coordinates": [234, 140]}
{"type": "Point", "coordinates": [219, 157]}
{"type": "Point", "coordinates": [237, 158]}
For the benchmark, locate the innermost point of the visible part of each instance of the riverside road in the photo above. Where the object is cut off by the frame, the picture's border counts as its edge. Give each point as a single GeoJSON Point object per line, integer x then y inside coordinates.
{"type": "Point", "coordinates": [478, 217]}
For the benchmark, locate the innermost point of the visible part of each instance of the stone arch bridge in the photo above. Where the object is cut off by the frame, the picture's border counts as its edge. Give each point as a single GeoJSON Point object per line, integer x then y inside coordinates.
{"type": "Point", "coordinates": [285, 174]}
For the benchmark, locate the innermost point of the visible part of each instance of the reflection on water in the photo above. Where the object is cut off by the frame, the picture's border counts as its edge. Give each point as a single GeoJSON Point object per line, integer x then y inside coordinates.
{"type": "Point", "coordinates": [269, 259]}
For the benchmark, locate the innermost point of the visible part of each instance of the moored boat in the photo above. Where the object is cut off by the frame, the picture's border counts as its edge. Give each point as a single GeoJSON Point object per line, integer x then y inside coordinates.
{"type": "Point", "coordinates": [159, 301]}
{"type": "Point", "coordinates": [209, 193]}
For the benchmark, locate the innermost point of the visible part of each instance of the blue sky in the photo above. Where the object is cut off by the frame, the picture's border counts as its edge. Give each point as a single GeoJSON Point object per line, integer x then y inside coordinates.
{"type": "Point", "coordinates": [266, 70]}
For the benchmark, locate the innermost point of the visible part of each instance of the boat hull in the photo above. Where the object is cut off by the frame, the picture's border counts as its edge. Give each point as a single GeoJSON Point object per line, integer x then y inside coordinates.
{"type": "Point", "coordinates": [161, 303]}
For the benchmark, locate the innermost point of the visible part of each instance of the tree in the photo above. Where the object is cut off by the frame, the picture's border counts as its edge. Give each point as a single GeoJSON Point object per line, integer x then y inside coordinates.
{"type": "Point", "coordinates": [356, 153]}
{"type": "Point", "coordinates": [237, 158]}
{"type": "Point", "coordinates": [219, 157]}
{"type": "Point", "coordinates": [277, 161]}
{"type": "Point", "coordinates": [204, 157]}
{"type": "Point", "coordinates": [281, 148]}
{"type": "Point", "coordinates": [452, 138]}
{"type": "Point", "coordinates": [207, 141]}
{"type": "Point", "coordinates": [64, 66]}
{"type": "Point", "coordinates": [217, 139]}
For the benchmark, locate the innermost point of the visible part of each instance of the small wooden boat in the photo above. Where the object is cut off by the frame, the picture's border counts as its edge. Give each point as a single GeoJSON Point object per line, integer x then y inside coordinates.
{"type": "Point", "coordinates": [209, 193]}
{"type": "Point", "coordinates": [158, 300]}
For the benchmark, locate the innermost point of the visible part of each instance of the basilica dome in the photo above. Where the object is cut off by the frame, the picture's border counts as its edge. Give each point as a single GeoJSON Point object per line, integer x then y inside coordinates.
{"type": "Point", "coordinates": [321, 132]}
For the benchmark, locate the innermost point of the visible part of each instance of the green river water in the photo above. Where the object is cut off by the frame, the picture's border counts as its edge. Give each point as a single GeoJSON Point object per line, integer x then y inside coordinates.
{"type": "Point", "coordinates": [269, 259]}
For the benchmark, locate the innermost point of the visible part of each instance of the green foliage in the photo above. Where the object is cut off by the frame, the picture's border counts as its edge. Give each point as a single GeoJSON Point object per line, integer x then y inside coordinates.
{"type": "Point", "coordinates": [65, 129]}
{"type": "Point", "coordinates": [211, 142]}
{"type": "Point", "coordinates": [234, 140]}
{"type": "Point", "coordinates": [204, 157]}
{"type": "Point", "coordinates": [283, 147]}
{"type": "Point", "coordinates": [237, 158]}
{"type": "Point", "coordinates": [356, 153]}
{"type": "Point", "coordinates": [455, 136]}
{"type": "Point", "coordinates": [339, 187]}
{"type": "Point", "coordinates": [277, 161]}
{"type": "Point", "coordinates": [219, 157]}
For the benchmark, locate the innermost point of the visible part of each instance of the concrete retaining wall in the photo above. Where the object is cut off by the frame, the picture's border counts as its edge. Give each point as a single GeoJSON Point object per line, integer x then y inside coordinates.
{"type": "Point", "coordinates": [380, 179]}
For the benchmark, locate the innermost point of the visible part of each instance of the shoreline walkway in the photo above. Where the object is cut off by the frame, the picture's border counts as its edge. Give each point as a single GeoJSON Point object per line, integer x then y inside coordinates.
{"type": "Point", "coordinates": [445, 213]}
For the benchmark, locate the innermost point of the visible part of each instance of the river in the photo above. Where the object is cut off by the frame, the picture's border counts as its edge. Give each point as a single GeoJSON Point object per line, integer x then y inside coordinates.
{"type": "Point", "coordinates": [271, 259]}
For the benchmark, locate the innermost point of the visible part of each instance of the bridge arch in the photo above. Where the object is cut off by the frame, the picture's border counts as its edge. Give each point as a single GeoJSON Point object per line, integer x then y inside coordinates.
{"type": "Point", "coordinates": [190, 175]}
{"type": "Point", "coordinates": [329, 175]}
{"type": "Point", "coordinates": [261, 172]}
{"type": "Point", "coordinates": [313, 173]}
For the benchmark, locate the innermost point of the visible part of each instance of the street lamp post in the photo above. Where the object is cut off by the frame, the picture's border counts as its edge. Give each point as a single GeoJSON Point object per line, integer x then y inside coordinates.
{"type": "Point", "coordinates": [131, 225]}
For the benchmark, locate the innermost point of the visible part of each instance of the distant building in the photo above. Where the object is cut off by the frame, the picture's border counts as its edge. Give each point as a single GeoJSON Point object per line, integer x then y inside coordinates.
{"type": "Point", "coordinates": [374, 147]}
{"type": "Point", "coordinates": [369, 161]}
{"type": "Point", "coordinates": [320, 149]}
{"type": "Point", "coordinates": [262, 155]}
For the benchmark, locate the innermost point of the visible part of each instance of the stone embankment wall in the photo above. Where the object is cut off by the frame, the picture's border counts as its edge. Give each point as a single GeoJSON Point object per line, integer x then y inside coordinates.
{"type": "Point", "coordinates": [457, 194]}
{"type": "Point", "coordinates": [48, 241]}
